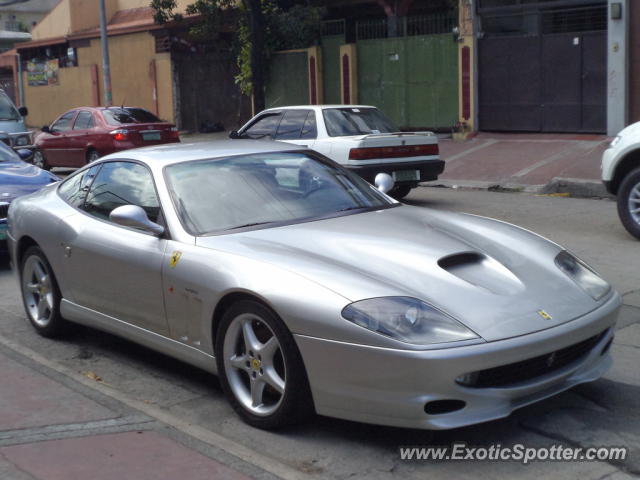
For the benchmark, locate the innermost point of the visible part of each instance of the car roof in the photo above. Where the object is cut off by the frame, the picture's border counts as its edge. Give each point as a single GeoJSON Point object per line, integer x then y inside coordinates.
{"type": "Point", "coordinates": [315, 107]}
{"type": "Point", "coordinates": [160, 155]}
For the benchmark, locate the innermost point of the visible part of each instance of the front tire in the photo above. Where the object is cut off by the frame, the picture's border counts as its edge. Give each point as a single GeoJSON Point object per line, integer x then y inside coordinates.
{"type": "Point", "coordinates": [260, 367]}
{"type": "Point", "coordinates": [40, 294]}
{"type": "Point", "coordinates": [40, 161]}
{"type": "Point", "coordinates": [92, 156]}
{"type": "Point", "coordinates": [629, 202]}
{"type": "Point", "coordinates": [400, 191]}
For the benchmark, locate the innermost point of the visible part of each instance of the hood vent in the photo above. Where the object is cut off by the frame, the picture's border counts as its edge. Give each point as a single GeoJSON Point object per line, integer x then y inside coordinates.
{"type": "Point", "coordinates": [482, 271]}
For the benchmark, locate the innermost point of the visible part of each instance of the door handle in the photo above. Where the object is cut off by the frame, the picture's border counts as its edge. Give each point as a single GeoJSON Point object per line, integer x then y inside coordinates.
{"type": "Point", "coordinates": [67, 251]}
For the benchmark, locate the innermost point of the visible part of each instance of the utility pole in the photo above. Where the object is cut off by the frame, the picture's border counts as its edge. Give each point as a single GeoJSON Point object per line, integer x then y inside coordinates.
{"type": "Point", "coordinates": [106, 68]}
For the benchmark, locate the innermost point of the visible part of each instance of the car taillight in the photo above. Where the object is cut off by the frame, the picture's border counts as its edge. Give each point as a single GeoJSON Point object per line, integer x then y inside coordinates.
{"type": "Point", "coordinates": [368, 153]}
{"type": "Point", "coordinates": [174, 133]}
{"type": "Point", "coordinates": [120, 134]}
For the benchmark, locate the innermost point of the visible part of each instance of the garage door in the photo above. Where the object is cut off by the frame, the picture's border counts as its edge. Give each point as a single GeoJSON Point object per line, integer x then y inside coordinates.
{"type": "Point", "coordinates": [544, 71]}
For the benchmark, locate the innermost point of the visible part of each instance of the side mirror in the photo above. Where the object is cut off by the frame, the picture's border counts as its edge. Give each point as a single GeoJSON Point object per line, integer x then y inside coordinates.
{"type": "Point", "coordinates": [23, 111]}
{"type": "Point", "coordinates": [134, 216]}
{"type": "Point", "coordinates": [24, 154]}
{"type": "Point", "coordinates": [46, 129]}
{"type": "Point", "coordinates": [384, 182]}
{"type": "Point", "coordinates": [234, 134]}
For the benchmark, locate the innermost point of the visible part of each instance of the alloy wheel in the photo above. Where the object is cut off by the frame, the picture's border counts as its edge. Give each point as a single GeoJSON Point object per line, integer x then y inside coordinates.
{"type": "Point", "coordinates": [37, 290]}
{"type": "Point", "coordinates": [38, 159]}
{"type": "Point", "coordinates": [633, 203]}
{"type": "Point", "coordinates": [254, 364]}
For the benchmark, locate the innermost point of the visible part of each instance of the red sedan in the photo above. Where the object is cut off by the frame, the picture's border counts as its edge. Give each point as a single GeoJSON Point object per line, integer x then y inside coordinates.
{"type": "Point", "coordinates": [85, 134]}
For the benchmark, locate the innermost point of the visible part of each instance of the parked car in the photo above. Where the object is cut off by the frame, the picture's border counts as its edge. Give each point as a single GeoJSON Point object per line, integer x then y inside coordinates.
{"type": "Point", "coordinates": [358, 137]}
{"type": "Point", "coordinates": [621, 176]}
{"type": "Point", "coordinates": [17, 178]}
{"type": "Point", "coordinates": [83, 135]}
{"type": "Point", "coordinates": [307, 289]}
{"type": "Point", "coordinates": [13, 131]}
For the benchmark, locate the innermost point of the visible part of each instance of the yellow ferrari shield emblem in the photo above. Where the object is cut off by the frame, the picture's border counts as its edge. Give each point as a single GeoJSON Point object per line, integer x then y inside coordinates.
{"type": "Point", "coordinates": [544, 315]}
{"type": "Point", "coordinates": [175, 258]}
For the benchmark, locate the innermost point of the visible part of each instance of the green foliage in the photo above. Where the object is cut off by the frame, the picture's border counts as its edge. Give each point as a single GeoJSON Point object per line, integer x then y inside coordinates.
{"type": "Point", "coordinates": [285, 28]}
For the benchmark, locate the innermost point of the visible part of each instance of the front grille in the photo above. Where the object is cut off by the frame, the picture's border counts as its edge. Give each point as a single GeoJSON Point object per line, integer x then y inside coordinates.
{"type": "Point", "coordinates": [532, 368]}
{"type": "Point", "coordinates": [4, 210]}
{"type": "Point", "coordinates": [6, 140]}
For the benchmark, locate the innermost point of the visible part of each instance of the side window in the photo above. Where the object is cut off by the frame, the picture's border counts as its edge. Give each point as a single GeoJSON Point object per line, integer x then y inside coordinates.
{"type": "Point", "coordinates": [264, 127]}
{"type": "Point", "coordinates": [63, 124]}
{"type": "Point", "coordinates": [122, 183]}
{"type": "Point", "coordinates": [290, 127]}
{"type": "Point", "coordinates": [84, 121]}
{"type": "Point", "coordinates": [309, 129]}
{"type": "Point", "coordinates": [74, 189]}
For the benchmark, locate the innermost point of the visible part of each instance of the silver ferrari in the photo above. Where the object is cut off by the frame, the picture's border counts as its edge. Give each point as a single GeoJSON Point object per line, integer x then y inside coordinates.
{"type": "Point", "coordinates": [308, 290]}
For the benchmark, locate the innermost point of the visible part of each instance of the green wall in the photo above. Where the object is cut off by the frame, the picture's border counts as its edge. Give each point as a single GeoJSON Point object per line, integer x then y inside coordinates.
{"type": "Point", "coordinates": [331, 67]}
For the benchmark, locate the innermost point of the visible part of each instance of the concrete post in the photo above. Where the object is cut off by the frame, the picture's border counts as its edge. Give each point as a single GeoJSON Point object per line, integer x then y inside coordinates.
{"type": "Point", "coordinates": [617, 65]}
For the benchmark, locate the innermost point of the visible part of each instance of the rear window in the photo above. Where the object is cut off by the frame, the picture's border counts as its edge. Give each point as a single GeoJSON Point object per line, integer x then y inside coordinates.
{"type": "Point", "coordinates": [7, 111]}
{"type": "Point", "coordinates": [118, 116]}
{"type": "Point", "coordinates": [342, 122]}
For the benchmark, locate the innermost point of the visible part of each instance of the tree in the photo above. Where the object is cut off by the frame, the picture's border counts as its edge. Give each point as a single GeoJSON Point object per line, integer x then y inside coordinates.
{"type": "Point", "coordinates": [261, 27]}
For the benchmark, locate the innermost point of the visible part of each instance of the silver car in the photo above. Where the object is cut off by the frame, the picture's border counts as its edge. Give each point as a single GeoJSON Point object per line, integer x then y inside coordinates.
{"type": "Point", "coordinates": [309, 290]}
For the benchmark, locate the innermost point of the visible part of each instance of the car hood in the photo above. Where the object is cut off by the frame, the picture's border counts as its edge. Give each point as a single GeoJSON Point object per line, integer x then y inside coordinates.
{"type": "Point", "coordinates": [20, 178]}
{"type": "Point", "coordinates": [492, 276]}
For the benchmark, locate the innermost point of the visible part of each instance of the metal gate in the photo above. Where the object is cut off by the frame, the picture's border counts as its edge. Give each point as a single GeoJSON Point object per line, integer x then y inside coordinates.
{"type": "Point", "coordinates": [544, 71]}
{"type": "Point", "coordinates": [413, 77]}
{"type": "Point", "coordinates": [288, 81]}
{"type": "Point", "coordinates": [207, 95]}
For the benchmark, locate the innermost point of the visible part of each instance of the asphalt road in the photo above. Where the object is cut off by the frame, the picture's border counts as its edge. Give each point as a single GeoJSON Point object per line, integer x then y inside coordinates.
{"type": "Point", "coordinates": [606, 412]}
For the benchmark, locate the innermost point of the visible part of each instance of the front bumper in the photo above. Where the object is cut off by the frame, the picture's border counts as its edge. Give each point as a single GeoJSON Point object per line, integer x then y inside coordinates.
{"type": "Point", "coordinates": [392, 387]}
{"type": "Point", "coordinates": [429, 170]}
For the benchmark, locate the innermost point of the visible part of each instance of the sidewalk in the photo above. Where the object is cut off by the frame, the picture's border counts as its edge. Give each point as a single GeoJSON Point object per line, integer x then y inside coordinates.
{"type": "Point", "coordinates": [540, 163]}
{"type": "Point", "coordinates": [53, 428]}
{"type": "Point", "coordinates": [545, 163]}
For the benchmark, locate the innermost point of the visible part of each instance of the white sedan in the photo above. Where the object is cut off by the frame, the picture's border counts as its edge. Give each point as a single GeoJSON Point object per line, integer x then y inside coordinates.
{"type": "Point", "coordinates": [358, 137]}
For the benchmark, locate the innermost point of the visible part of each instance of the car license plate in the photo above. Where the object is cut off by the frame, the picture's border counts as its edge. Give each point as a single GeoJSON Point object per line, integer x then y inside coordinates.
{"type": "Point", "coordinates": [3, 232]}
{"type": "Point", "coordinates": [406, 175]}
{"type": "Point", "coordinates": [148, 136]}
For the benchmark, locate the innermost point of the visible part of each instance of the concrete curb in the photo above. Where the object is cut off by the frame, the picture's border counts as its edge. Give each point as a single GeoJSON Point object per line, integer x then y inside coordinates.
{"type": "Point", "coordinates": [572, 187]}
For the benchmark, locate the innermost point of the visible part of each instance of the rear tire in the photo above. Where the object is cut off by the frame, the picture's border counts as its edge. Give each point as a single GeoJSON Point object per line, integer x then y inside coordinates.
{"type": "Point", "coordinates": [40, 294]}
{"type": "Point", "coordinates": [400, 191]}
{"type": "Point", "coordinates": [629, 202]}
{"type": "Point", "coordinates": [40, 161]}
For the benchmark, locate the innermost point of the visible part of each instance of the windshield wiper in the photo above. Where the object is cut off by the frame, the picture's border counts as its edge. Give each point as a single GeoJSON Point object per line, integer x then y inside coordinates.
{"type": "Point", "coordinates": [352, 208]}
{"type": "Point", "coordinates": [249, 225]}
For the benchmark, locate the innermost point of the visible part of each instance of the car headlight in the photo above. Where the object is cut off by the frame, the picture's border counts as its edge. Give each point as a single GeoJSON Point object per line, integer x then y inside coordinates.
{"type": "Point", "coordinates": [583, 275]}
{"type": "Point", "coordinates": [615, 141]}
{"type": "Point", "coordinates": [21, 140]}
{"type": "Point", "coordinates": [407, 319]}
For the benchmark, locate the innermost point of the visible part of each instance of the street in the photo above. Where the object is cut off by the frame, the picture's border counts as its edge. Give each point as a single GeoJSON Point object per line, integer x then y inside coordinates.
{"type": "Point", "coordinates": [133, 389]}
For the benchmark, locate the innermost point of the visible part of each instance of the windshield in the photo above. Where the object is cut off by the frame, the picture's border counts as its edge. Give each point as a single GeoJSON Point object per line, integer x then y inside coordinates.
{"type": "Point", "coordinates": [342, 122]}
{"type": "Point", "coordinates": [213, 196]}
{"type": "Point", "coordinates": [118, 115]}
{"type": "Point", "coordinates": [7, 110]}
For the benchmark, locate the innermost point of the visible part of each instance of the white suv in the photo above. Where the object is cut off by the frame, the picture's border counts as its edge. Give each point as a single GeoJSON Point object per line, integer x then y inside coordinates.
{"type": "Point", "coordinates": [621, 176]}
{"type": "Point", "coordinates": [359, 137]}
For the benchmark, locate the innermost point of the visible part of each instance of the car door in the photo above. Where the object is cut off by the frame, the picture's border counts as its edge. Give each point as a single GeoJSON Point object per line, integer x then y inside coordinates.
{"type": "Point", "coordinates": [299, 127]}
{"type": "Point", "coordinates": [80, 137]}
{"type": "Point", "coordinates": [112, 269]}
{"type": "Point", "coordinates": [55, 143]}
